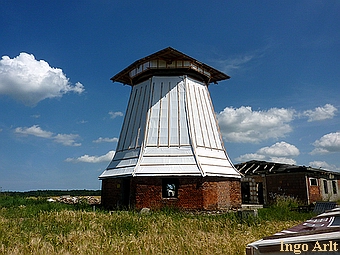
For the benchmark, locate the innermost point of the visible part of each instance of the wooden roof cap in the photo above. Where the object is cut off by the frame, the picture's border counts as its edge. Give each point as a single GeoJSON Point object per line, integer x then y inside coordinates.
{"type": "Point", "coordinates": [170, 59]}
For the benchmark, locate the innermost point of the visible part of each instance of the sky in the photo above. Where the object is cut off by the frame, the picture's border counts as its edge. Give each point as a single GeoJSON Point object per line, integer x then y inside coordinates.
{"type": "Point", "coordinates": [61, 116]}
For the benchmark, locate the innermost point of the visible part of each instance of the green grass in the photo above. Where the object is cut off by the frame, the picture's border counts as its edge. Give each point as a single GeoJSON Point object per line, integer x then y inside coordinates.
{"type": "Point", "coordinates": [34, 226]}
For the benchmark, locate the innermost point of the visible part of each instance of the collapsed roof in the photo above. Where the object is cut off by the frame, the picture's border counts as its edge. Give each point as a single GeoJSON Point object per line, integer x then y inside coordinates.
{"type": "Point", "coordinates": [255, 167]}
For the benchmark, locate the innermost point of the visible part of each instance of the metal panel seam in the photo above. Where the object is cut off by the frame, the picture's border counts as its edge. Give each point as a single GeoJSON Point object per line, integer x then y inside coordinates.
{"type": "Point", "coordinates": [191, 141]}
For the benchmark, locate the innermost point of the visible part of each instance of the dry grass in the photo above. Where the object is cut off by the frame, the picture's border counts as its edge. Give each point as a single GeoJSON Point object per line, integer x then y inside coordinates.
{"type": "Point", "coordinates": [69, 231]}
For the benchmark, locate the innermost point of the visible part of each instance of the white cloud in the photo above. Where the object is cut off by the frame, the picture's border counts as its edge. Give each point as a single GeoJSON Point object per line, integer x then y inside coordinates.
{"type": "Point", "coordinates": [327, 144]}
{"type": "Point", "coordinates": [323, 165]}
{"type": "Point", "coordinates": [244, 125]}
{"type": "Point", "coordinates": [235, 63]}
{"type": "Point", "coordinates": [92, 159]}
{"type": "Point", "coordinates": [115, 114]}
{"type": "Point", "coordinates": [281, 149]}
{"type": "Point", "coordinates": [250, 156]}
{"type": "Point", "coordinates": [29, 80]}
{"type": "Point", "coordinates": [243, 60]}
{"type": "Point", "coordinates": [67, 139]}
{"type": "Point", "coordinates": [280, 152]}
{"type": "Point", "coordinates": [106, 140]}
{"type": "Point", "coordinates": [78, 88]}
{"type": "Point", "coordinates": [35, 130]}
{"type": "Point", "coordinates": [321, 113]}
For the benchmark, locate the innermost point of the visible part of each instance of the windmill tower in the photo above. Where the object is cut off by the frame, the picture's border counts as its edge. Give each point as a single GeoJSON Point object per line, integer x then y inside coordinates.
{"type": "Point", "coordinates": [170, 151]}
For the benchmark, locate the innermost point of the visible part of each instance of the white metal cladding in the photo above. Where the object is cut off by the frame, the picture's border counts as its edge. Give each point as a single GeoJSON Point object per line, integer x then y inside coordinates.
{"type": "Point", "coordinates": [167, 124]}
{"type": "Point", "coordinates": [133, 129]}
{"type": "Point", "coordinates": [170, 129]}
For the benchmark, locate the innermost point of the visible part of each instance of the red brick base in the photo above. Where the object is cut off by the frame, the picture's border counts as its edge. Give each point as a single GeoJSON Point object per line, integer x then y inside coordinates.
{"type": "Point", "coordinates": [194, 193]}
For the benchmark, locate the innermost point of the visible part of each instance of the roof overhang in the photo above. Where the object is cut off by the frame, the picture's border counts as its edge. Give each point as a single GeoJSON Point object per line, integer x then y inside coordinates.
{"type": "Point", "coordinates": [168, 62]}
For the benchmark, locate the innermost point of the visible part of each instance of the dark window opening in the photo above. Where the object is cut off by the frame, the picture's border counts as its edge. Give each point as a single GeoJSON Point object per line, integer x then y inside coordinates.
{"type": "Point", "coordinates": [325, 186]}
{"type": "Point", "coordinates": [170, 188]}
{"type": "Point", "coordinates": [335, 190]}
{"type": "Point", "coordinates": [245, 191]}
{"type": "Point", "coordinates": [313, 182]}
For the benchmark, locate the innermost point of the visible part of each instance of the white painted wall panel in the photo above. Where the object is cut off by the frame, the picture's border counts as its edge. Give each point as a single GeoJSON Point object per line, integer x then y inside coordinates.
{"type": "Point", "coordinates": [164, 114]}
{"type": "Point", "coordinates": [202, 115]}
{"type": "Point", "coordinates": [123, 163]}
{"type": "Point", "coordinates": [117, 172]}
{"type": "Point", "coordinates": [173, 115]}
{"type": "Point", "coordinates": [214, 161]}
{"type": "Point", "coordinates": [194, 120]}
{"type": "Point", "coordinates": [121, 141]}
{"type": "Point", "coordinates": [183, 115]}
{"type": "Point", "coordinates": [211, 122]}
{"type": "Point", "coordinates": [174, 151]}
{"type": "Point", "coordinates": [220, 171]}
{"type": "Point", "coordinates": [168, 160]}
{"type": "Point", "coordinates": [153, 124]}
{"type": "Point", "coordinates": [214, 124]}
{"type": "Point", "coordinates": [168, 170]}
{"type": "Point", "coordinates": [201, 151]}
{"type": "Point", "coordinates": [144, 116]}
{"type": "Point", "coordinates": [132, 132]}
{"type": "Point", "coordinates": [133, 128]}
{"type": "Point", "coordinates": [127, 154]}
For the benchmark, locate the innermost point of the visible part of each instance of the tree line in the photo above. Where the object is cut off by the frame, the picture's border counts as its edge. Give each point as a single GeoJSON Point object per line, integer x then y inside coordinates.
{"type": "Point", "coordinates": [52, 193]}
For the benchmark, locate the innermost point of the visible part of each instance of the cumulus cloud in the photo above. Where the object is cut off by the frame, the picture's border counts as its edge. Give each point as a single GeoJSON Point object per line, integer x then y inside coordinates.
{"type": "Point", "coordinates": [327, 144]}
{"type": "Point", "coordinates": [29, 80]}
{"type": "Point", "coordinates": [321, 113]}
{"type": "Point", "coordinates": [280, 149]}
{"type": "Point", "coordinates": [250, 156]}
{"type": "Point", "coordinates": [67, 139]}
{"type": "Point", "coordinates": [35, 130]}
{"type": "Point", "coordinates": [280, 152]}
{"type": "Point", "coordinates": [92, 159]}
{"type": "Point", "coordinates": [113, 115]}
{"type": "Point", "coordinates": [106, 140]}
{"type": "Point", "coordinates": [244, 125]}
{"type": "Point", "coordinates": [323, 165]}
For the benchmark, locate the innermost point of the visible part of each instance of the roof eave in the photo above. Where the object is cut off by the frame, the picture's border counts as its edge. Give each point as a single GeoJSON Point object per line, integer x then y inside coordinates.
{"type": "Point", "coordinates": [169, 54]}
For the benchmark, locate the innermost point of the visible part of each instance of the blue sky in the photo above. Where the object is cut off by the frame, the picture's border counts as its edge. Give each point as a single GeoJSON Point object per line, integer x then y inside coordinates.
{"type": "Point", "coordinates": [61, 115]}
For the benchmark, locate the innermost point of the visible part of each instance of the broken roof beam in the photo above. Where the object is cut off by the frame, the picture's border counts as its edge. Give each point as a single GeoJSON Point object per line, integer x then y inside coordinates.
{"type": "Point", "coordinates": [244, 165]}
{"type": "Point", "coordinates": [256, 169]}
{"type": "Point", "coordinates": [249, 168]}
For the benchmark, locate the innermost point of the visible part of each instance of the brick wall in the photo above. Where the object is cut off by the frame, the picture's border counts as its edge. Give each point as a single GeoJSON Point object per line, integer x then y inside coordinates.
{"type": "Point", "coordinates": [149, 193]}
{"type": "Point", "coordinates": [292, 184]}
{"type": "Point", "coordinates": [111, 192]}
{"type": "Point", "coordinates": [220, 194]}
{"type": "Point", "coordinates": [209, 193]}
{"type": "Point", "coordinates": [314, 192]}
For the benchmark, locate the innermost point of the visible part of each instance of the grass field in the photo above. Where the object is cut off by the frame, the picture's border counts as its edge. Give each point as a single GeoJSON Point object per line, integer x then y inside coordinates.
{"type": "Point", "coordinates": [34, 226]}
